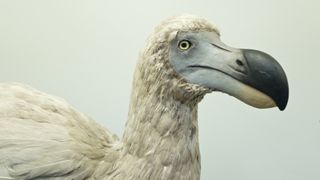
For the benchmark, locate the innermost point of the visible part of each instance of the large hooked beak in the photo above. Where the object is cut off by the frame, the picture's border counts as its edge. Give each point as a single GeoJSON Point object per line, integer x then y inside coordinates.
{"type": "Point", "coordinates": [266, 75]}
{"type": "Point", "coordinates": [252, 76]}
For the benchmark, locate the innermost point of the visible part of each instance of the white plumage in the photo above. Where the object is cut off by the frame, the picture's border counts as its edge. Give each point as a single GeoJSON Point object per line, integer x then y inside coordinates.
{"type": "Point", "coordinates": [43, 137]}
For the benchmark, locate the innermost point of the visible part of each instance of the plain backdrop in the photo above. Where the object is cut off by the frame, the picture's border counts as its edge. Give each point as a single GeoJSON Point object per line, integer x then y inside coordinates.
{"type": "Point", "coordinates": [85, 52]}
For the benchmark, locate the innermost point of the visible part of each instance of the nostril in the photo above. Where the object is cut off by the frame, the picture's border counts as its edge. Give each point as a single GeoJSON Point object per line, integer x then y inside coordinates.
{"type": "Point", "coordinates": [240, 63]}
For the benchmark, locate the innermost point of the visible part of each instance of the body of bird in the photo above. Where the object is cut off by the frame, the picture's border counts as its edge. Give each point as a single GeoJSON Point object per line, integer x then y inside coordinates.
{"type": "Point", "coordinates": [43, 137]}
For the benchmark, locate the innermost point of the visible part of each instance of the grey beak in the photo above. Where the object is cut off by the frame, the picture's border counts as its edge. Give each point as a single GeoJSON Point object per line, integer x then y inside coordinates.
{"type": "Point", "coordinates": [266, 75]}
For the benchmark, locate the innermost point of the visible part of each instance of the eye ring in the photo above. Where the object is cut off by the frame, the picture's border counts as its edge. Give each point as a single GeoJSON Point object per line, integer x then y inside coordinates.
{"type": "Point", "coordinates": [184, 45]}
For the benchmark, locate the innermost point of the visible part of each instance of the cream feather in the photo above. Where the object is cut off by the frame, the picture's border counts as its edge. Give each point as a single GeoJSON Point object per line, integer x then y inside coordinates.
{"type": "Point", "coordinates": [43, 137]}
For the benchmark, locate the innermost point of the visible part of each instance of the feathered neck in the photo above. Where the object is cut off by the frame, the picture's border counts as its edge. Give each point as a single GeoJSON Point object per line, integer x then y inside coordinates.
{"type": "Point", "coordinates": [161, 134]}
{"type": "Point", "coordinates": [162, 129]}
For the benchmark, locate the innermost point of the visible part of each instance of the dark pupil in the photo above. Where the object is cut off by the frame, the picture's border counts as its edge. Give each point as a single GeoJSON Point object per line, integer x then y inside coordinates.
{"type": "Point", "coordinates": [184, 45]}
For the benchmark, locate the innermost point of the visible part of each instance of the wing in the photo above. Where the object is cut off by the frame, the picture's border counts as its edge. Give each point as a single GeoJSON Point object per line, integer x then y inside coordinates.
{"type": "Point", "coordinates": [42, 137]}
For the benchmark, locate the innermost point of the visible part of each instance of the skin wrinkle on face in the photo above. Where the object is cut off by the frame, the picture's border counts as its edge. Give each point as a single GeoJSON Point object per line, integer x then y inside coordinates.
{"type": "Point", "coordinates": [206, 58]}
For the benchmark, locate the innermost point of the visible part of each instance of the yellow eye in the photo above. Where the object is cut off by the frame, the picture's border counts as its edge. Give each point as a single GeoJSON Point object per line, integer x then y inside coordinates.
{"type": "Point", "coordinates": [184, 45]}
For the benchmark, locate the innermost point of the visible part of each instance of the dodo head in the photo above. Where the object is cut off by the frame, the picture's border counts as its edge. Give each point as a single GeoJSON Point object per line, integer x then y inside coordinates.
{"type": "Point", "coordinates": [188, 49]}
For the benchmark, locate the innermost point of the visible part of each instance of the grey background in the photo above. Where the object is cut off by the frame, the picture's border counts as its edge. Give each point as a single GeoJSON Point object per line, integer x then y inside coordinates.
{"type": "Point", "coordinates": [85, 52]}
